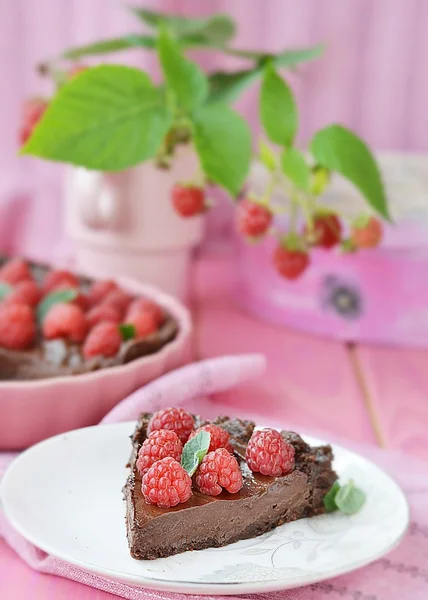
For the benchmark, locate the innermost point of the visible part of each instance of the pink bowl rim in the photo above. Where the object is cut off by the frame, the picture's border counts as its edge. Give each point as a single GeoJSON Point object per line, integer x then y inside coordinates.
{"type": "Point", "coordinates": [172, 305]}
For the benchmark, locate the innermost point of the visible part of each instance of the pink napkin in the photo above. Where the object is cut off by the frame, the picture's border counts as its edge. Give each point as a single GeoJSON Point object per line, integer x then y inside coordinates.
{"type": "Point", "coordinates": [402, 575]}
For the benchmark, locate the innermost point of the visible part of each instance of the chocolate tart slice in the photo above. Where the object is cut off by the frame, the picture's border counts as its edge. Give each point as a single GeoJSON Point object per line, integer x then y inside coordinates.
{"type": "Point", "coordinates": [212, 521]}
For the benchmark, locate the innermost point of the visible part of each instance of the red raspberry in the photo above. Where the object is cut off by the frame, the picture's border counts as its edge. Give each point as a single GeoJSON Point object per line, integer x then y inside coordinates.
{"type": "Point", "coordinates": [366, 232]}
{"type": "Point", "coordinates": [290, 263]}
{"type": "Point", "coordinates": [17, 326]}
{"type": "Point", "coordinates": [103, 340]}
{"type": "Point", "coordinates": [25, 292]}
{"type": "Point", "coordinates": [100, 289]}
{"type": "Point", "coordinates": [158, 445]}
{"type": "Point", "coordinates": [188, 200]}
{"type": "Point", "coordinates": [144, 324]}
{"type": "Point", "coordinates": [219, 469]}
{"type": "Point", "coordinates": [269, 454]}
{"type": "Point", "coordinates": [220, 438]}
{"type": "Point", "coordinates": [102, 312]}
{"type": "Point", "coordinates": [65, 321]}
{"type": "Point", "coordinates": [119, 299]}
{"type": "Point", "coordinates": [33, 111]}
{"type": "Point", "coordinates": [253, 219]}
{"type": "Point", "coordinates": [57, 280]}
{"type": "Point", "coordinates": [166, 484]}
{"type": "Point", "coordinates": [146, 306]}
{"type": "Point", "coordinates": [14, 271]}
{"type": "Point", "coordinates": [327, 230]}
{"type": "Point", "coordinates": [174, 419]}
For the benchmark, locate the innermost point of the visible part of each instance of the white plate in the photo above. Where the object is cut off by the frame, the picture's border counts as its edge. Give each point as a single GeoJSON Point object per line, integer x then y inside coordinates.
{"type": "Point", "coordinates": [64, 495]}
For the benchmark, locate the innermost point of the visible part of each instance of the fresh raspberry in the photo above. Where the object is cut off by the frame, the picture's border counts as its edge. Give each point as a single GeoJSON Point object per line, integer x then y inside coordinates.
{"type": "Point", "coordinates": [17, 326]}
{"type": "Point", "coordinates": [102, 312]}
{"type": "Point", "coordinates": [219, 469]}
{"type": "Point", "coordinates": [290, 263]}
{"type": "Point", "coordinates": [33, 111]}
{"type": "Point", "coordinates": [25, 292]}
{"type": "Point", "coordinates": [82, 301]}
{"type": "Point", "coordinates": [146, 306]}
{"type": "Point", "coordinates": [188, 200]}
{"type": "Point", "coordinates": [100, 289]}
{"type": "Point", "coordinates": [158, 445]}
{"type": "Point", "coordinates": [253, 219]}
{"type": "Point", "coordinates": [327, 231]}
{"type": "Point", "coordinates": [366, 232]}
{"type": "Point", "coordinates": [15, 271]}
{"type": "Point", "coordinates": [65, 321]}
{"type": "Point", "coordinates": [103, 340]}
{"type": "Point", "coordinates": [269, 454]}
{"type": "Point", "coordinates": [220, 438]}
{"type": "Point", "coordinates": [174, 419]}
{"type": "Point", "coordinates": [56, 280]}
{"type": "Point", "coordinates": [144, 324]}
{"type": "Point", "coordinates": [119, 299]}
{"type": "Point", "coordinates": [166, 483]}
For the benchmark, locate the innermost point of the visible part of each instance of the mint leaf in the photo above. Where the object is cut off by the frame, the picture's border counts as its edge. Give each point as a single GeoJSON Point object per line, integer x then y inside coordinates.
{"type": "Point", "coordinates": [349, 499]}
{"type": "Point", "coordinates": [268, 157]}
{"type": "Point", "coordinates": [194, 451]}
{"type": "Point", "coordinates": [338, 149]}
{"type": "Point", "coordinates": [59, 297]}
{"type": "Point", "coordinates": [294, 167]}
{"type": "Point", "coordinates": [329, 498]}
{"type": "Point", "coordinates": [223, 142]}
{"type": "Point", "coordinates": [110, 117]}
{"type": "Point", "coordinates": [278, 111]}
{"type": "Point", "coordinates": [185, 78]}
{"type": "Point", "coordinates": [291, 58]}
{"type": "Point", "coordinates": [226, 87]}
{"type": "Point", "coordinates": [127, 331]}
{"type": "Point", "coordinates": [110, 46]}
{"type": "Point", "coordinates": [5, 290]}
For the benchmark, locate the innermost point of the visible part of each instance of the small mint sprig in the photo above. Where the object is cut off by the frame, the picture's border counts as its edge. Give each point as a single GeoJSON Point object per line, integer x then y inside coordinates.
{"type": "Point", "coordinates": [194, 451]}
{"type": "Point", "coordinates": [347, 498]}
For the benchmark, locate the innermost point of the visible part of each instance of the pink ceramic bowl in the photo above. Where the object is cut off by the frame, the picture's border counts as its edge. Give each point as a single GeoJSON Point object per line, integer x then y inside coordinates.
{"type": "Point", "coordinates": [31, 411]}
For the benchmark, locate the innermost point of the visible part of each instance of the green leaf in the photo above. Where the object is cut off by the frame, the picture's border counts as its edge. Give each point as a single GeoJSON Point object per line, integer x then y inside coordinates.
{"type": "Point", "coordinates": [294, 167]}
{"type": "Point", "coordinates": [320, 178]}
{"type": "Point", "coordinates": [110, 46]}
{"type": "Point", "coordinates": [350, 499]}
{"type": "Point", "coordinates": [291, 58]}
{"type": "Point", "coordinates": [5, 290]}
{"type": "Point", "coordinates": [278, 111]}
{"type": "Point", "coordinates": [127, 331]}
{"type": "Point", "coordinates": [184, 77]}
{"type": "Point", "coordinates": [329, 498]}
{"type": "Point", "coordinates": [226, 87]}
{"type": "Point", "coordinates": [194, 451]}
{"type": "Point", "coordinates": [268, 157]}
{"type": "Point", "coordinates": [110, 117]}
{"type": "Point", "coordinates": [223, 142]}
{"type": "Point", "coordinates": [59, 297]}
{"type": "Point", "coordinates": [338, 149]}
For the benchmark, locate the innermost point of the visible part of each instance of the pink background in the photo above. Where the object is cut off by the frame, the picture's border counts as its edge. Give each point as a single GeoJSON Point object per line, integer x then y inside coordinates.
{"type": "Point", "coordinates": [372, 77]}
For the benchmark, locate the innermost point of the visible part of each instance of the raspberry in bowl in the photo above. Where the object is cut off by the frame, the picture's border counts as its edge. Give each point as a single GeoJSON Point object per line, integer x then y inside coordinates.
{"type": "Point", "coordinates": [71, 347]}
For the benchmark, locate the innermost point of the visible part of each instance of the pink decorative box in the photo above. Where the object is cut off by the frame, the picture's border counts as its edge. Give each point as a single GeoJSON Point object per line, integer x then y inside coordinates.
{"type": "Point", "coordinates": [371, 296]}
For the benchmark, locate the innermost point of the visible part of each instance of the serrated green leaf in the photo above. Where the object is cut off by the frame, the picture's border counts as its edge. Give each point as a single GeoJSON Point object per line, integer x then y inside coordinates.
{"type": "Point", "coordinates": [110, 46]}
{"type": "Point", "coordinates": [5, 290]}
{"type": "Point", "coordinates": [59, 297]}
{"type": "Point", "coordinates": [226, 87]}
{"type": "Point", "coordinates": [350, 499]}
{"type": "Point", "coordinates": [278, 111]}
{"type": "Point", "coordinates": [268, 157]}
{"type": "Point", "coordinates": [184, 77]}
{"type": "Point", "coordinates": [294, 167]}
{"type": "Point", "coordinates": [329, 498]}
{"type": "Point", "coordinates": [291, 58]}
{"type": "Point", "coordinates": [338, 149]}
{"type": "Point", "coordinates": [127, 331]}
{"type": "Point", "coordinates": [110, 117]}
{"type": "Point", "coordinates": [194, 451]}
{"type": "Point", "coordinates": [223, 142]}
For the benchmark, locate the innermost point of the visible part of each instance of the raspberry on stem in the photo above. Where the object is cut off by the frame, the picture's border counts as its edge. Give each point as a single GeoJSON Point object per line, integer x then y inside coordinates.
{"type": "Point", "coordinates": [188, 200]}
{"type": "Point", "coordinates": [366, 232]}
{"type": "Point", "coordinates": [166, 484]}
{"type": "Point", "coordinates": [175, 419]}
{"type": "Point", "coordinates": [290, 262]}
{"type": "Point", "coordinates": [253, 219]}
{"type": "Point", "coordinates": [269, 454]}
{"type": "Point", "coordinates": [327, 230]}
{"type": "Point", "coordinates": [159, 444]}
{"type": "Point", "coordinates": [219, 470]}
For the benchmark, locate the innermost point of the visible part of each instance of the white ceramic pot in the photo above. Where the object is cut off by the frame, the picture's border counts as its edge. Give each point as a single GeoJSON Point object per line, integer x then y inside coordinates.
{"type": "Point", "coordinates": [124, 224]}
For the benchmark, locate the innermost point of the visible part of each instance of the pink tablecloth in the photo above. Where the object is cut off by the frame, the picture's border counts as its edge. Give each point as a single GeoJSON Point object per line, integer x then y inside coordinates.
{"type": "Point", "coordinates": [402, 575]}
